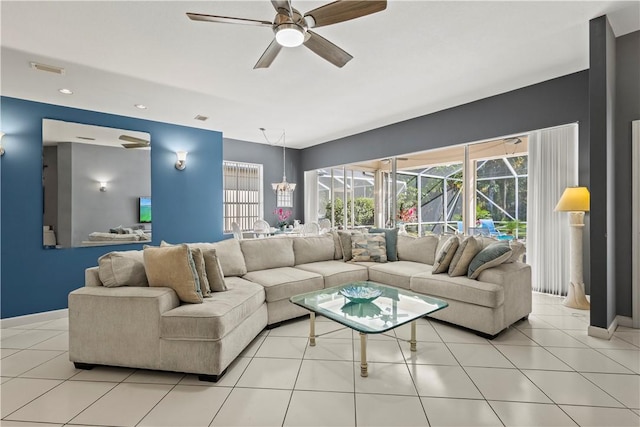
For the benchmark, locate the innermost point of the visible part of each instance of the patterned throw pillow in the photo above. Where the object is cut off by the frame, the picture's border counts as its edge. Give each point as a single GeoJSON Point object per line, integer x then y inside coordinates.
{"type": "Point", "coordinates": [369, 247]}
{"type": "Point", "coordinates": [347, 244]}
{"type": "Point", "coordinates": [391, 236]}
{"type": "Point", "coordinates": [467, 249]}
{"type": "Point", "coordinates": [492, 255]}
{"type": "Point", "coordinates": [445, 255]}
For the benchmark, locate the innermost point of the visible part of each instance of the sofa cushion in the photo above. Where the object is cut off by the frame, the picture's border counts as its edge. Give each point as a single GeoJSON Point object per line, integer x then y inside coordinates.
{"type": "Point", "coordinates": [397, 273]}
{"type": "Point", "coordinates": [458, 289]}
{"type": "Point", "coordinates": [391, 238]}
{"type": "Point", "coordinates": [215, 275]}
{"type": "Point", "coordinates": [467, 249]}
{"type": "Point", "coordinates": [417, 249]}
{"type": "Point", "coordinates": [216, 316]}
{"type": "Point", "coordinates": [228, 252]}
{"type": "Point", "coordinates": [173, 267]}
{"type": "Point", "coordinates": [446, 250]}
{"type": "Point", "coordinates": [201, 270]}
{"type": "Point", "coordinates": [369, 247]}
{"type": "Point", "coordinates": [122, 269]}
{"type": "Point", "coordinates": [488, 257]}
{"type": "Point", "coordinates": [285, 282]}
{"type": "Point", "coordinates": [336, 273]}
{"type": "Point", "coordinates": [263, 254]}
{"type": "Point", "coordinates": [313, 249]}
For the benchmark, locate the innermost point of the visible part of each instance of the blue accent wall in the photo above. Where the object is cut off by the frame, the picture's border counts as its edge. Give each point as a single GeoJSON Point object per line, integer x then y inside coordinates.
{"type": "Point", "coordinates": [187, 205]}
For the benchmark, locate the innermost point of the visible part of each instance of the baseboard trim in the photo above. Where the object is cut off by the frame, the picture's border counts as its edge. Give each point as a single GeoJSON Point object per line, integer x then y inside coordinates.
{"type": "Point", "coordinates": [625, 321]}
{"type": "Point", "coordinates": [602, 333]}
{"type": "Point", "coordinates": [12, 322]}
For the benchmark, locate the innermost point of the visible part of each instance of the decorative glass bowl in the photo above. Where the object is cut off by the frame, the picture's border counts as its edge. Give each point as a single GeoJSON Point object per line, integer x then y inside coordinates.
{"type": "Point", "coordinates": [360, 293]}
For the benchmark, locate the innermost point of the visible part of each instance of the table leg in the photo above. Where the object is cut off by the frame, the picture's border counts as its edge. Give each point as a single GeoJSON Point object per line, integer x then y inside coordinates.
{"type": "Point", "coordinates": [312, 330]}
{"type": "Point", "coordinates": [413, 336]}
{"type": "Point", "coordinates": [363, 355]}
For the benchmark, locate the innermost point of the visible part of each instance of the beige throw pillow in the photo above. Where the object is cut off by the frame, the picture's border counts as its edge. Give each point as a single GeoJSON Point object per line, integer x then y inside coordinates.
{"type": "Point", "coordinates": [517, 251]}
{"type": "Point", "coordinates": [198, 260]}
{"type": "Point", "coordinates": [214, 271]}
{"type": "Point", "coordinates": [229, 254]}
{"type": "Point", "coordinates": [445, 255]}
{"type": "Point", "coordinates": [467, 249]}
{"type": "Point", "coordinates": [122, 269]}
{"type": "Point", "coordinates": [369, 248]}
{"type": "Point", "coordinates": [173, 267]}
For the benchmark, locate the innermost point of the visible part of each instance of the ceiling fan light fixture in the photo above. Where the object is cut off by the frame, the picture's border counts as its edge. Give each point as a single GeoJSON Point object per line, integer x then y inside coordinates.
{"type": "Point", "coordinates": [289, 35]}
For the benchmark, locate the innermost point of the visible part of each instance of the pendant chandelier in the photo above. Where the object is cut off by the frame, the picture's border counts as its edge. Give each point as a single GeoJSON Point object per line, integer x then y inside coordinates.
{"type": "Point", "coordinates": [284, 190]}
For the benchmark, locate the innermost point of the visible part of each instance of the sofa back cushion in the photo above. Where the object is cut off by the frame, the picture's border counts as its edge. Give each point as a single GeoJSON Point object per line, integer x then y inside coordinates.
{"type": "Point", "coordinates": [417, 249]}
{"type": "Point", "coordinates": [122, 269]}
{"type": "Point", "coordinates": [313, 249]}
{"type": "Point", "coordinates": [263, 254]}
{"type": "Point", "coordinates": [229, 254]}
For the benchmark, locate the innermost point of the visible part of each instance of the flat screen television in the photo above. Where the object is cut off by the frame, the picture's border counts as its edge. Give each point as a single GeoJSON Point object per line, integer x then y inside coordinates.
{"type": "Point", "coordinates": [144, 210]}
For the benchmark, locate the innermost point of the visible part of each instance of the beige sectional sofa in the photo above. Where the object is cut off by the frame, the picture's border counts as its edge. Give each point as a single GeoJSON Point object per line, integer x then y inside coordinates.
{"type": "Point", "coordinates": [148, 327]}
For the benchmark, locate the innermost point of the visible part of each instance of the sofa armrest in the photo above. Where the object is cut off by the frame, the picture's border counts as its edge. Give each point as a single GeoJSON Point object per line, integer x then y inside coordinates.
{"type": "Point", "coordinates": [515, 279]}
{"type": "Point", "coordinates": [91, 277]}
{"type": "Point", "coordinates": [118, 326]}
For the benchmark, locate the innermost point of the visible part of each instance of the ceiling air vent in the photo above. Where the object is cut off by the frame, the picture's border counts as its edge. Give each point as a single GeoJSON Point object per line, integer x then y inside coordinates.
{"type": "Point", "coordinates": [201, 118]}
{"type": "Point", "coordinates": [48, 68]}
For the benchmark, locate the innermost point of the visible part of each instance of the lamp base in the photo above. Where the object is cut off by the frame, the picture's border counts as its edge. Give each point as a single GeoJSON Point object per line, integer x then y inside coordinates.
{"type": "Point", "coordinates": [576, 297]}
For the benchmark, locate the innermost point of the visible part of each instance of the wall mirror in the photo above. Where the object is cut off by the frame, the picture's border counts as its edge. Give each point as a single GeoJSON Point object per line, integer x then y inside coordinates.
{"type": "Point", "coordinates": [96, 185]}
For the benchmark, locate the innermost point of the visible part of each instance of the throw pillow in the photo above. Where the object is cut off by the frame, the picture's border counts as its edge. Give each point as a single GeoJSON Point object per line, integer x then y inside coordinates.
{"type": "Point", "coordinates": [338, 246]}
{"type": "Point", "coordinates": [201, 270]}
{"type": "Point", "coordinates": [467, 249]}
{"type": "Point", "coordinates": [229, 254]}
{"type": "Point", "coordinates": [122, 269]}
{"type": "Point", "coordinates": [490, 256]}
{"type": "Point", "coordinates": [369, 247]}
{"type": "Point", "coordinates": [214, 271]}
{"type": "Point", "coordinates": [518, 249]}
{"type": "Point", "coordinates": [445, 255]}
{"type": "Point", "coordinates": [345, 242]}
{"type": "Point", "coordinates": [391, 237]}
{"type": "Point", "coordinates": [173, 267]}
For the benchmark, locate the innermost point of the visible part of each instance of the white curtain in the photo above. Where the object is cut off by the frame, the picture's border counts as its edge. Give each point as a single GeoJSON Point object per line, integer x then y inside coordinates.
{"type": "Point", "coordinates": [553, 166]}
{"type": "Point", "coordinates": [311, 196]}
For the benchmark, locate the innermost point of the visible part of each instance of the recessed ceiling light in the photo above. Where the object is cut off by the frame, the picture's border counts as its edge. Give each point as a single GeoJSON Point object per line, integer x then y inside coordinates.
{"type": "Point", "coordinates": [201, 118]}
{"type": "Point", "coordinates": [86, 138]}
{"type": "Point", "coordinates": [65, 91]}
{"type": "Point", "coordinates": [141, 106]}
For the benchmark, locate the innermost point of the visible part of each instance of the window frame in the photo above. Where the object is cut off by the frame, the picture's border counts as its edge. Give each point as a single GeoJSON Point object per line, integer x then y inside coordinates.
{"type": "Point", "coordinates": [243, 216]}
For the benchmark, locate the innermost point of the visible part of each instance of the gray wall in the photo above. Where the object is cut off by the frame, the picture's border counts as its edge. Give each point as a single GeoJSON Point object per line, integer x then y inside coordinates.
{"type": "Point", "coordinates": [547, 104]}
{"type": "Point", "coordinates": [627, 110]}
{"type": "Point", "coordinates": [128, 176]}
{"type": "Point", "coordinates": [271, 159]}
{"type": "Point", "coordinates": [602, 215]}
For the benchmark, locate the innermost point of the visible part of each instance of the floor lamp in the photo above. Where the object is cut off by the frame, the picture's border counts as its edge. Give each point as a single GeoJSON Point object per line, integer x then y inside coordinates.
{"type": "Point", "coordinates": [575, 200]}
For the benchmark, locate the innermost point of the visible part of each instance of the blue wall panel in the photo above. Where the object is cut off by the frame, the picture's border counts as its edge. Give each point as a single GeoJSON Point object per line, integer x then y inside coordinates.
{"type": "Point", "coordinates": [187, 205]}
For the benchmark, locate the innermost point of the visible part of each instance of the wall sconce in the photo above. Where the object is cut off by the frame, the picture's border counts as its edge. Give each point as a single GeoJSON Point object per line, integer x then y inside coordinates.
{"type": "Point", "coordinates": [181, 164]}
{"type": "Point", "coordinates": [103, 186]}
{"type": "Point", "coordinates": [1, 146]}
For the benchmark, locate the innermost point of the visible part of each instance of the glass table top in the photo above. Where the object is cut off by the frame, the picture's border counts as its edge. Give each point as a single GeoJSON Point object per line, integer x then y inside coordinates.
{"type": "Point", "coordinates": [394, 307]}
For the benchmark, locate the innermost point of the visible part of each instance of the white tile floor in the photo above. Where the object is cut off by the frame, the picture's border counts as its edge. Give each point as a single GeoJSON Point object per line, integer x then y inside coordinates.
{"type": "Point", "coordinates": [544, 371]}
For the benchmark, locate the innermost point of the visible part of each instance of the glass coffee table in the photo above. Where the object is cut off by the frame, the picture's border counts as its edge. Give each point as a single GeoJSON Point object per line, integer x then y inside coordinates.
{"type": "Point", "coordinates": [367, 313]}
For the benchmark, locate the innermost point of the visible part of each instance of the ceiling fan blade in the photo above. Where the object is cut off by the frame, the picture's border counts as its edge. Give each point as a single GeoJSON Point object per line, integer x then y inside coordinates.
{"type": "Point", "coordinates": [269, 55]}
{"type": "Point", "coordinates": [133, 139]}
{"type": "Point", "coordinates": [280, 4]}
{"type": "Point", "coordinates": [340, 11]}
{"type": "Point", "coordinates": [327, 50]}
{"type": "Point", "coordinates": [227, 20]}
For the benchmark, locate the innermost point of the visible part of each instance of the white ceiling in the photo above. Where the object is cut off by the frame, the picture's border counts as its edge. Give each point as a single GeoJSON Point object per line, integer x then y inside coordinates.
{"type": "Point", "coordinates": [414, 58]}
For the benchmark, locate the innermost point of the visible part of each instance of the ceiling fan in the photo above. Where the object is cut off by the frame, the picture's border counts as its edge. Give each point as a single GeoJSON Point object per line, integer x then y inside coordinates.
{"type": "Point", "coordinates": [292, 28]}
{"type": "Point", "coordinates": [133, 142]}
